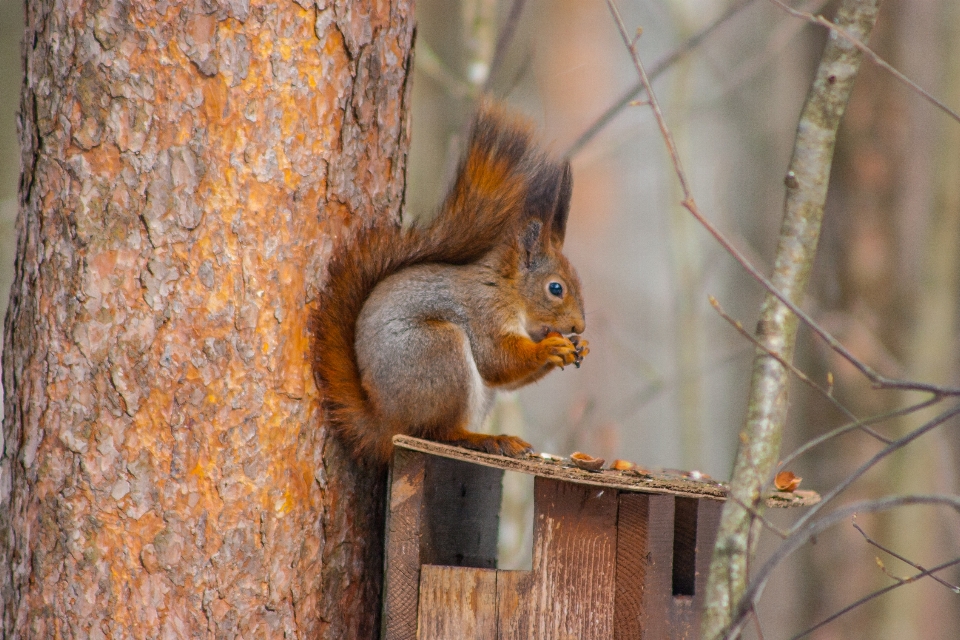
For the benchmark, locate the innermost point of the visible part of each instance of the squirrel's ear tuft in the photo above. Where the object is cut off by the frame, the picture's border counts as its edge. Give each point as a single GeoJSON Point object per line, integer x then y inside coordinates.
{"type": "Point", "coordinates": [531, 243]}
{"type": "Point", "coordinates": [548, 198]}
{"type": "Point", "coordinates": [558, 226]}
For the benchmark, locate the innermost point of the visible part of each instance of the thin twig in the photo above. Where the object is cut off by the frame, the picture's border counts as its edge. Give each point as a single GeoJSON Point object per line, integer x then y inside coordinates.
{"type": "Point", "coordinates": [430, 64]}
{"type": "Point", "coordinates": [879, 381]}
{"type": "Point", "coordinates": [866, 466]}
{"type": "Point", "coordinates": [736, 324]}
{"type": "Point", "coordinates": [782, 34]}
{"type": "Point", "coordinates": [850, 426]}
{"type": "Point", "coordinates": [756, 621]}
{"type": "Point", "coordinates": [899, 557]}
{"type": "Point", "coordinates": [814, 529]}
{"type": "Point", "coordinates": [503, 41]}
{"type": "Point", "coordinates": [659, 67]}
{"type": "Point", "coordinates": [870, 53]}
{"type": "Point", "coordinates": [759, 516]}
{"type": "Point", "coordinates": [876, 594]}
{"type": "Point", "coordinates": [654, 103]}
{"type": "Point", "coordinates": [658, 385]}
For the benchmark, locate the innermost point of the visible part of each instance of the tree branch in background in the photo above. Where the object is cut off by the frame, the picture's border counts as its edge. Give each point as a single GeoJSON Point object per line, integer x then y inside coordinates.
{"type": "Point", "coordinates": [870, 53]}
{"type": "Point", "coordinates": [658, 68]}
{"type": "Point", "coordinates": [880, 455]}
{"type": "Point", "coordinates": [899, 557]}
{"type": "Point", "coordinates": [504, 38]}
{"type": "Point", "coordinates": [804, 378]}
{"type": "Point", "coordinates": [813, 529]}
{"type": "Point", "coordinates": [851, 426]}
{"type": "Point", "coordinates": [879, 592]}
{"type": "Point", "coordinates": [807, 180]}
{"type": "Point", "coordinates": [429, 63]}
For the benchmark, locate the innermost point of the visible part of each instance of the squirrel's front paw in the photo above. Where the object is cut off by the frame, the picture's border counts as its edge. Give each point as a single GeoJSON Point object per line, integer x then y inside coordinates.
{"type": "Point", "coordinates": [559, 351]}
{"type": "Point", "coordinates": [582, 349]}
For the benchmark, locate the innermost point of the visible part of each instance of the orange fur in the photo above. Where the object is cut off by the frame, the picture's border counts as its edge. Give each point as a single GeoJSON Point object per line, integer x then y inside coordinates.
{"type": "Point", "coordinates": [487, 203]}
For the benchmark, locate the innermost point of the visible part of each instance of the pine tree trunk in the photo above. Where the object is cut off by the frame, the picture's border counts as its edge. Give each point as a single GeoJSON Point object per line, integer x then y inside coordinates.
{"type": "Point", "coordinates": [165, 469]}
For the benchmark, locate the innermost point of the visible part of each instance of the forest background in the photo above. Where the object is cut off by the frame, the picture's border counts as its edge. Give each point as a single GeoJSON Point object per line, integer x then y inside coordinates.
{"type": "Point", "coordinates": [666, 382]}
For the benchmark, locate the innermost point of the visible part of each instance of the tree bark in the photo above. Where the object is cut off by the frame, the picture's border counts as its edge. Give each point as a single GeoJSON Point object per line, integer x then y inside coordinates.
{"type": "Point", "coordinates": [165, 470]}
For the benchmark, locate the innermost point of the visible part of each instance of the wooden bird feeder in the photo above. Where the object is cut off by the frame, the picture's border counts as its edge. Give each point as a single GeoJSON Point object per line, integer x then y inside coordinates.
{"type": "Point", "coordinates": [615, 554]}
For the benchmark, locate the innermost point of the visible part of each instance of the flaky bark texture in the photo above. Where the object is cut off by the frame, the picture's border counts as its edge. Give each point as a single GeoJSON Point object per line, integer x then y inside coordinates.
{"type": "Point", "coordinates": [165, 471]}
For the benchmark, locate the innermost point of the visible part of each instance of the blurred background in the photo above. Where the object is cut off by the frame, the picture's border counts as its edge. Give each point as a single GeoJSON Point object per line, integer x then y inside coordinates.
{"type": "Point", "coordinates": [665, 384]}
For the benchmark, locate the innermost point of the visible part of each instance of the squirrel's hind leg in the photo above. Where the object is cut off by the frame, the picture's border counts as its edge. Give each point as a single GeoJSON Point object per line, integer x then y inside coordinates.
{"type": "Point", "coordinates": [421, 389]}
{"type": "Point", "coordinates": [503, 445]}
{"type": "Point", "coordinates": [479, 402]}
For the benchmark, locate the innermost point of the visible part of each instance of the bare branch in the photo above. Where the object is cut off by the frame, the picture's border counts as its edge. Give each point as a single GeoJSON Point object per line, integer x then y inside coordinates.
{"type": "Point", "coordinates": [870, 53]}
{"type": "Point", "coordinates": [850, 426]}
{"type": "Point", "coordinates": [899, 557]}
{"type": "Point", "coordinates": [878, 593]}
{"type": "Point", "coordinates": [504, 38]}
{"type": "Point", "coordinates": [629, 98]}
{"type": "Point", "coordinates": [756, 622]}
{"type": "Point", "coordinates": [879, 381]}
{"type": "Point", "coordinates": [813, 529]}
{"type": "Point", "coordinates": [429, 63]}
{"type": "Point", "coordinates": [761, 518]}
{"type": "Point", "coordinates": [866, 466]}
{"type": "Point", "coordinates": [736, 324]}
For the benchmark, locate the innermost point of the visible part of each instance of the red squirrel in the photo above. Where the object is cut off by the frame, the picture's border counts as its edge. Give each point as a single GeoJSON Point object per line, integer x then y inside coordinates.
{"type": "Point", "coordinates": [416, 328]}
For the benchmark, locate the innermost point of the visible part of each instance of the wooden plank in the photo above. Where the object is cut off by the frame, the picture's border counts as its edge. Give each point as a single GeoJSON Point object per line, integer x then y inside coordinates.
{"type": "Point", "coordinates": [457, 602]}
{"type": "Point", "coordinates": [684, 566]}
{"type": "Point", "coordinates": [697, 523]}
{"type": "Point", "coordinates": [402, 548]}
{"type": "Point", "coordinates": [685, 546]}
{"type": "Point", "coordinates": [644, 566]}
{"type": "Point", "coordinates": [653, 482]}
{"type": "Point", "coordinates": [708, 523]}
{"type": "Point", "coordinates": [461, 514]}
{"type": "Point", "coordinates": [513, 596]}
{"type": "Point", "coordinates": [534, 465]}
{"type": "Point", "coordinates": [574, 562]}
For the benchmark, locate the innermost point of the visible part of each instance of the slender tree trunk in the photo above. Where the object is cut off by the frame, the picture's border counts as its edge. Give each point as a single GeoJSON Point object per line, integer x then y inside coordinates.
{"type": "Point", "coordinates": [165, 469]}
{"type": "Point", "coordinates": [760, 438]}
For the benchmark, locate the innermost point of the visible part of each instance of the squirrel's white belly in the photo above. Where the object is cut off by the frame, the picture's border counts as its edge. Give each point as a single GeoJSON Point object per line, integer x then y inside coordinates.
{"type": "Point", "coordinates": [481, 396]}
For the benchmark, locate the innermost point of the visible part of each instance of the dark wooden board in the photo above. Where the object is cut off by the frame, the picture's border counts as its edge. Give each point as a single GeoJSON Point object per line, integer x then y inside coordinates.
{"type": "Point", "coordinates": [698, 527]}
{"type": "Point", "coordinates": [457, 602]}
{"type": "Point", "coordinates": [402, 551]}
{"type": "Point", "coordinates": [685, 546]}
{"type": "Point", "coordinates": [644, 566]}
{"type": "Point", "coordinates": [461, 514]}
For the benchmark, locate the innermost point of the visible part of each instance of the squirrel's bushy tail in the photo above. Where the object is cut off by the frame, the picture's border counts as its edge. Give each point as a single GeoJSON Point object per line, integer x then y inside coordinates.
{"type": "Point", "coordinates": [502, 166]}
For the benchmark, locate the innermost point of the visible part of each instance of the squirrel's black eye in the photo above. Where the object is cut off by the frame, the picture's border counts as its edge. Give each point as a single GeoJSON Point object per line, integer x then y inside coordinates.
{"type": "Point", "coordinates": [555, 289]}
